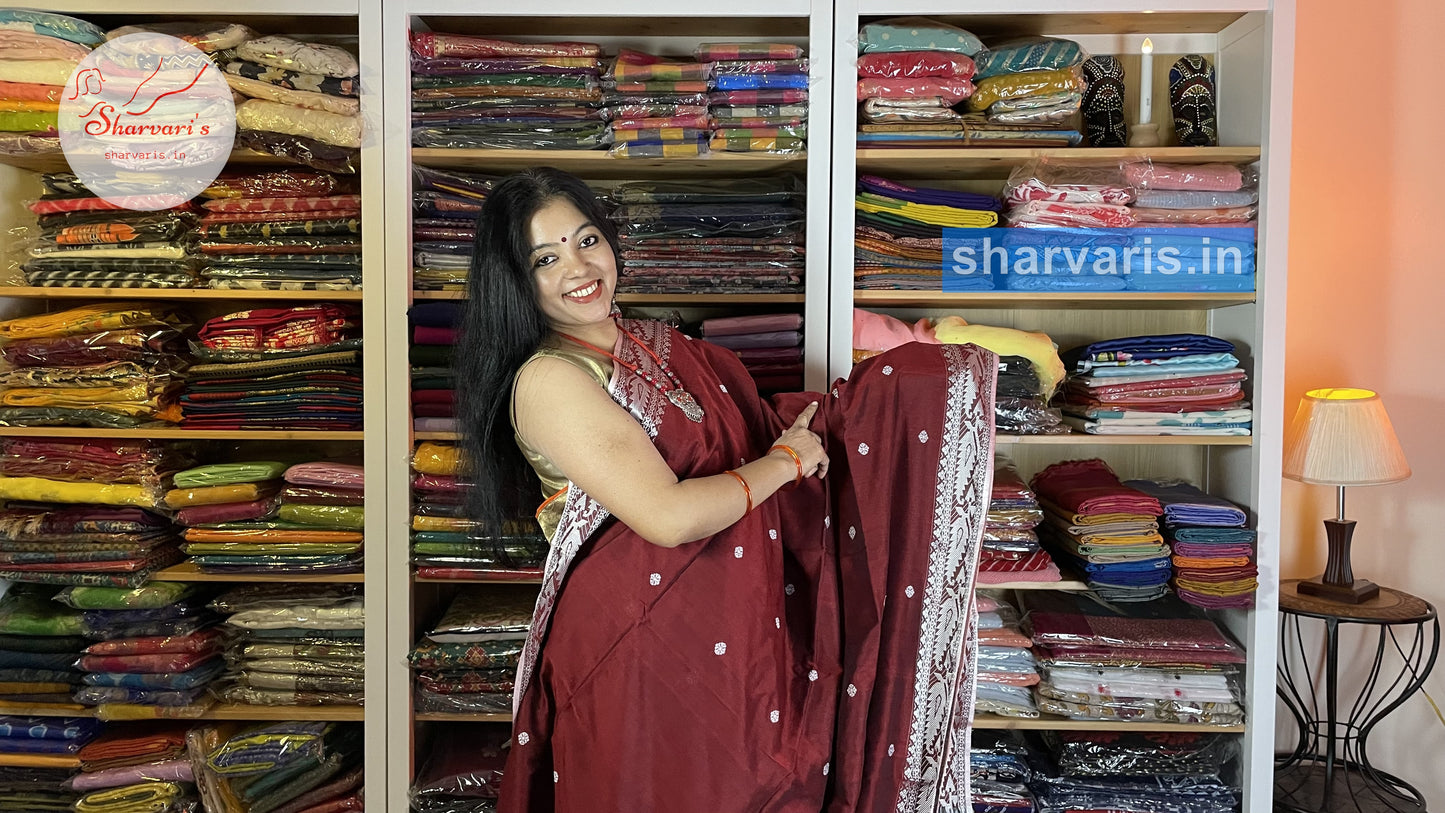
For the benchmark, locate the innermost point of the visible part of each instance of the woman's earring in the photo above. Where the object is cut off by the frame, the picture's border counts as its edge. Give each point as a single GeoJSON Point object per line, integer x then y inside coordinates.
{"type": "Point", "coordinates": [616, 311]}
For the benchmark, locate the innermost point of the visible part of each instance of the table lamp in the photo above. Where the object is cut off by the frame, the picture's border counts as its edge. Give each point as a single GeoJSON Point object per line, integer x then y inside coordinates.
{"type": "Point", "coordinates": [1342, 437]}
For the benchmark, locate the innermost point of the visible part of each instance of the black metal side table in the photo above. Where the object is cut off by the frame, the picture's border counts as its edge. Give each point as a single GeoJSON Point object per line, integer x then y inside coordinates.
{"type": "Point", "coordinates": [1329, 769]}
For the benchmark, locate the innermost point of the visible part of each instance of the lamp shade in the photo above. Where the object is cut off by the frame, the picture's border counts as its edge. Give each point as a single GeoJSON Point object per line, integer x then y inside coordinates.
{"type": "Point", "coordinates": [1342, 437]}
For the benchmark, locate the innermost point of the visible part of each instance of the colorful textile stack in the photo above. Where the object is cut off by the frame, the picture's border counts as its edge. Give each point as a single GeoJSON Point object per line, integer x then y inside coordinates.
{"type": "Point", "coordinates": [445, 544]}
{"type": "Point", "coordinates": [156, 649]}
{"type": "Point", "coordinates": [463, 772]}
{"type": "Point", "coordinates": [323, 515]}
{"type": "Point", "coordinates": [1176, 384]}
{"type": "Point", "coordinates": [38, 52]}
{"type": "Point", "coordinates": [1011, 551]}
{"type": "Point", "coordinates": [770, 346]}
{"type": "Point", "coordinates": [1106, 529]}
{"type": "Point", "coordinates": [223, 506]}
{"type": "Point", "coordinates": [1028, 93]}
{"type": "Point", "coordinates": [1051, 205]}
{"type": "Point", "coordinates": [135, 766]}
{"type": "Point", "coordinates": [84, 241]}
{"type": "Point", "coordinates": [44, 741]}
{"type": "Point", "coordinates": [35, 789]}
{"type": "Point", "coordinates": [445, 205]}
{"type": "Point", "coordinates": [898, 235]}
{"type": "Point", "coordinates": [1137, 772]}
{"type": "Point", "coordinates": [1000, 769]}
{"type": "Point", "coordinates": [106, 365]}
{"type": "Point", "coordinates": [277, 368]}
{"type": "Point", "coordinates": [911, 74]}
{"type": "Point", "coordinates": [295, 644]}
{"type": "Point", "coordinates": [433, 386]}
{"type": "Point", "coordinates": [1220, 197]}
{"type": "Point", "coordinates": [80, 511]}
{"type": "Point", "coordinates": [477, 93]}
{"type": "Point", "coordinates": [302, 100]}
{"type": "Point", "coordinates": [736, 236]}
{"type": "Point", "coordinates": [300, 767]}
{"type": "Point", "coordinates": [460, 663]}
{"type": "Point", "coordinates": [1006, 667]}
{"type": "Point", "coordinates": [40, 642]}
{"type": "Point", "coordinates": [1162, 661]}
{"type": "Point", "coordinates": [1214, 564]}
{"type": "Point", "coordinates": [285, 230]}
{"type": "Point", "coordinates": [759, 101]}
{"type": "Point", "coordinates": [656, 107]}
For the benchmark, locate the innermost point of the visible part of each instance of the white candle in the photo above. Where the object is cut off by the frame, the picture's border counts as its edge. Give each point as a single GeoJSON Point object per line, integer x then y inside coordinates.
{"type": "Point", "coordinates": [1146, 80]}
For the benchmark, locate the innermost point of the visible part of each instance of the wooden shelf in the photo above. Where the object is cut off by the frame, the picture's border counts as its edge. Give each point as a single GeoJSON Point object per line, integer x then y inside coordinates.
{"type": "Point", "coordinates": [39, 761]}
{"type": "Point", "coordinates": [170, 433]}
{"type": "Point", "coordinates": [1048, 722]}
{"type": "Point", "coordinates": [1081, 439]}
{"type": "Point", "coordinates": [187, 572]}
{"type": "Point", "coordinates": [597, 164]}
{"type": "Point", "coordinates": [416, 295]}
{"type": "Point", "coordinates": [1125, 300]}
{"type": "Point", "coordinates": [972, 162]}
{"type": "Point", "coordinates": [683, 300]}
{"type": "Point", "coordinates": [450, 717]}
{"type": "Point", "coordinates": [45, 709]}
{"type": "Point", "coordinates": [482, 580]}
{"type": "Point", "coordinates": [55, 161]}
{"type": "Point", "coordinates": [27, 292]}
{"type": "Point", "coordinates": [338, 714]}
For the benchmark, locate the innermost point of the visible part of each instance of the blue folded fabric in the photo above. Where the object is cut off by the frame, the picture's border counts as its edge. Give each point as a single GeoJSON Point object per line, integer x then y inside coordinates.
{"type": "Point", "coordinates": [178, 681]}
{"type": "Point", "coordinates": [1190, 284]}
{"type": "Point", "coordinates": [1156, 347]}
{"type": "Point", "coordinates": [1214, 536]}
{"type": "Point", "coordinates": [934, 197]}
{"type": "Point", "coordinates": [435, 314]}
{"type": "Point", "coordinates": [761, 81]}
{"type": "Point", "coordinates": [1146, 371]}
{"type": "Point", "coordinates": [1063, 282]}
{"type": "Point", "coordinates": [1186, 505]}
{"type": "Point", "coordinates": [48, 728]}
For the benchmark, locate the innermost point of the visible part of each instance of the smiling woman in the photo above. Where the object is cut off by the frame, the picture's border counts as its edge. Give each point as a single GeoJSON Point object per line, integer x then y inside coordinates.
{"type": "Point", "coordinates": [714, 629]}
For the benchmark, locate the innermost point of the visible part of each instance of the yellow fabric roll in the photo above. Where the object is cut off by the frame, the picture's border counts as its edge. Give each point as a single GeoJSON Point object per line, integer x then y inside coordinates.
{"type": "Point", "coordinates": [442, 459]}
{"type": "Point", "coordinates": [218, 495]}
{"type": "Point", "coordinates": [39, 489]}
{"type": "Point", "coordinates": [1006, 341]}
{"type": "Point", "coordinates": [85, 319]}
{"type": "Point", "coordinates": [1031, 83]}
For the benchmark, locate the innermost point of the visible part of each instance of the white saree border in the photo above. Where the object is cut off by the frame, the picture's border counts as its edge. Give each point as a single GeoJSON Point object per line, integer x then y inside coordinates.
{"type": "Point", "coordinates": [936, 773]}
{"type": "Point", "coordinates": [582, 515]}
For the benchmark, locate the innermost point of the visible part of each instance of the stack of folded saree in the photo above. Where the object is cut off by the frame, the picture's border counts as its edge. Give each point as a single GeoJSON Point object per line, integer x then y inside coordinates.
{"type": "Point", "coordinates": [300, 767]}
{"type": "Point", "coordinates": [111, 365]}
{"type": "Point", "coordinates": [912, 73]}
{"type": "Point", "coordinates": [434, 328]}
{"type": "Point", "coordinates": [277, 368]}
{"type": "Point", "coordinates": [1011, 551]}
{"type": "Point", "coordinates": [1027, 93]}
{"type": "Point", "coordinates": [322, 516]}
{"type": "Point", "coordinates": [473, 92]}
{"type": "Point", "coordinates": [300, 98]}
{"type": "Point", "coordinates": [281, 230]}
{"type": "Point", "coordinates": [1001, 765]}
{"type": "Point", "coordinates": [41, 742]}
{"type": "Point", "coordinates": [770, 346]}
{"type": "Point", "coordinates": [224, 507]}
{"type": "Point", "coordinates": [156, 647]}
{"type": "Point", "coordinates": [1105, 528]}
{"type": "Point", "coordinates": [38, 52]}
{"type": "Point", "coordinates": [445, 205]}
{"type": "Point", "coordinates": [79, 511]}
{"type": "Point", "coordinates": [463, 772]}
{"type": "Point", "coordinates": [453, 663]}
{"type": "Point", "coordinates": [293, 644]}
{"type": "Point", "coordinates": [898, 235]}
{"type": "Point", "coordinates": [40, 642]}
{"type": "Point", "coordinates": [1218, 201]}
{"type": "Point", "coordinates": [759, 101]}
{"type": "Point", "coordinates": [1176, 384]}
{"type": "Point", "coordinates": [736, 236]}
{"type": "Point", "coordinates": [1161, 661]}
{"type": "Point", "coordinates": [447, 545]}
{"type": "Point", "coordinates": [84, 241]}
{"type": "Point", "coordinates": [136, 766]}
{"type": "Point", "coordinates": [1029, 373]}
{"type": "Point", "coordinates": [1145, 772]}
{"type": "Point", "coordinates": [1214, 564]}
{"type": "Point", "coordinates": [656, 107]}
{"type": "Point", "coordinates": [1006, 667]}
{"type": "Point", "coordinates": [35, 789]}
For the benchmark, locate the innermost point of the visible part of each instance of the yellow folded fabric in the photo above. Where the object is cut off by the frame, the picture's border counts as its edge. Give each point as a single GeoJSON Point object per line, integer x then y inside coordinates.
{"type": "Point", "coordinates": [218, 495]}
{"type": "Point", "coordinates": [1223, 589]}
{"type": "Point", "coordinates": [1031, 83]}
{"type": "Point", "coordinates": [1006, 341]}
{"type": "Point", "coordinates": [454, 524]}
{"type": "Point", "coordinates": [144, 797]}
{"type": "Point", "coordinates": [926, 212]}
{"type": "Point", "coordinates": [39, 761]}
{"type": "Point", "coordinates": [87, 319]}
{"type": "Point", "coordinates": [437, 458]}
{"type": "Point", "coordinates": [28, 106]}
{"type": "Point", "coordinates": [1210, 563]}
{"type": "Point", "coordinates": [39, 489]}
{"type": "Point", "coordinates": [67, 396]}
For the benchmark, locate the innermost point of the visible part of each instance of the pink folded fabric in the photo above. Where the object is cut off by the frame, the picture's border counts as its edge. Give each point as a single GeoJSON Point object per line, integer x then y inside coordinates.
{"type": "Point", "coordinates": [340, 475]}
{"type": "Point", "coordinates": [1203, 177]}
{"type": "Point", "coordinates": [145, 664]}
{"type": "Point", "coordinates": [951, 91]}
{"type": "Point", "coordinates": [203, 642]}
{"type": "Point", "coordinates": [1083, 487]}
{"type": "Point", "coordinates": [877, 331]}
{"type": "Point", "coordinates": [1088, 215]}
{"type": "Point", "coordinates": [227, 512]}
{"type": "Point", "coordinates": [177, 770]}
{"type": "Point", "coordinates": [1048, 574]}
{"type": "Point", "coordinates": [764, 323]}
{"type": "Point", "coordinates": [1035, 189]}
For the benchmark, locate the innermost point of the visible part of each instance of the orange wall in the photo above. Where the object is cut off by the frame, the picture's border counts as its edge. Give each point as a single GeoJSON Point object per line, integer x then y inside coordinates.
{"type": "Point", "coordinates": [1367, 304]}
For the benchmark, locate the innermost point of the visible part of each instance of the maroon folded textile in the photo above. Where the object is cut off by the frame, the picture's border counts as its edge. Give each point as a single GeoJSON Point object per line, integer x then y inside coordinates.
{"type": "Point", "coordinates": [1091, 487]}
{"type": "Point", "coordinates": [228, 512]}
{"type": "Point", "coordinates": [769, 355]}
{"type": "Point", "coordinates": [447, 397]}
{"type": "Point", "coordinates": [205, 641]}
{"type": "Point", "coordinates": [156, 664]}
{"type": "Point", "coordinates": [424, 334]}
{"type": "Point", "coordinates": [321, 495]}
{"type": "Point", "coordinates": [342, 787]}
{"type": "Point", "coordinates": [1008, 485]}
{"type": "Point", "coordinates": [433, 411]}
{"type": "Point", "coordinates": [763, 323]}
{"type": "Point", "coordinates": [1078, 622]}
{"type": "Point", "coordinates": [352, 802]}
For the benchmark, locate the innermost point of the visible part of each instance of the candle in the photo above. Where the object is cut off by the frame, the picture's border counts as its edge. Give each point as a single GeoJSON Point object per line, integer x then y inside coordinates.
{"type": "Point", "coordinates": [1146, 80]}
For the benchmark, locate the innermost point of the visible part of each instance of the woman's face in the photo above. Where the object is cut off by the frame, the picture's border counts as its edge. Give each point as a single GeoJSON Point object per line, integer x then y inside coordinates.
{"type": "Point", "coordinates": [572, 266]}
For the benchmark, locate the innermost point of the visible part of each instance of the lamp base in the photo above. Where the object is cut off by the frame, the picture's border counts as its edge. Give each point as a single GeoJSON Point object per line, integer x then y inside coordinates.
{"type": "Point", "coordinates": [1358, 591]}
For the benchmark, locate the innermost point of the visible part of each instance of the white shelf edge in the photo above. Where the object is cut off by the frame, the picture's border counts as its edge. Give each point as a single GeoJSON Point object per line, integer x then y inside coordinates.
{"type": "Point", "coordinates": [312, 8]}
{"type": "Point", "coordinates": [618, 8]}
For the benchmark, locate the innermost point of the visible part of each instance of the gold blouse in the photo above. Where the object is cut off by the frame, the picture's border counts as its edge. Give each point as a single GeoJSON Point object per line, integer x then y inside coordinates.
{"type": "Point", "coordinates": [553, 481]}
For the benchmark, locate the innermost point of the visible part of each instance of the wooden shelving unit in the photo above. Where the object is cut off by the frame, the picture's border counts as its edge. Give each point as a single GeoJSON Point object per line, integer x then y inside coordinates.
{"type": "Point", "coordinates": [178, 434]}
{"type": "Point", "coordinates": [187, 572]}
{"type": "Point", "coordinates": [178, 294]}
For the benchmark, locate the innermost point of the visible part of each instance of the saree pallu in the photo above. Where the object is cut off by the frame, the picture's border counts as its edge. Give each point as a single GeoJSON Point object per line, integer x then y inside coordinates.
{"type": "Point", "coordinates": [818, 654]}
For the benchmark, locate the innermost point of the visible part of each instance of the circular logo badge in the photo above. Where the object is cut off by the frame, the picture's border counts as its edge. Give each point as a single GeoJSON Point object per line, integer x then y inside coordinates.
{"type": "Point", "coordinates": [147, 121]}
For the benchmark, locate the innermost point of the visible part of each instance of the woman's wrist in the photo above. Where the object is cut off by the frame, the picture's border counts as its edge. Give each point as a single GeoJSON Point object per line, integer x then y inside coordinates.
{"type": "Point", "coordinates": [792, 457]}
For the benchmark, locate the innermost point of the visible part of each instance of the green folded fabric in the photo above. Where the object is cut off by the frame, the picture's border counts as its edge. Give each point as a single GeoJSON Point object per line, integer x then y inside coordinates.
{"type": "Point", "coordinates": [149, 597]}
{"type": "Point", "coordinates": [350, 517]}
{"type": "Point", "coordinates": [225, 474]}
{"type": "Point", "coordinates": [24, 613]}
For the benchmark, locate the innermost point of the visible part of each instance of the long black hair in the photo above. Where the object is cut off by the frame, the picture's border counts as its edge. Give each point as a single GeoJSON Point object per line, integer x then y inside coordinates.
{"type": "Point", "coordinates": [501, 328]}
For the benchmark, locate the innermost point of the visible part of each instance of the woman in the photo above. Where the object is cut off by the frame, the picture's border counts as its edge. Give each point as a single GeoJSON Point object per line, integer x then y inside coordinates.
{"type": "Point", "coordinates": [704, 639]}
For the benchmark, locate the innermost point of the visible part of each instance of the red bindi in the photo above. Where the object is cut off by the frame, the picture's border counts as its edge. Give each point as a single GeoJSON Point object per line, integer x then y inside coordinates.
{"type": "Point", "coordinates": [564, 239]}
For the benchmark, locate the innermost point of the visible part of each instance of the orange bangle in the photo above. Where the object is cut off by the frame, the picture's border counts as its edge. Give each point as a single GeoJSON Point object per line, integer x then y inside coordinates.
{"type": "Point", "coordinates": [748, 492]}
{"type": "Point", "coordinates": [796, 459]}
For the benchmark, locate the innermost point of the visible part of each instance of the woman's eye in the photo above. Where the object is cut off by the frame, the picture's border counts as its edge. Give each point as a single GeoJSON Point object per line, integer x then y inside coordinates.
{"type": "Point", "coordinates": [588, 241]}
{"type": "Point", "coordinates": [543, 261]}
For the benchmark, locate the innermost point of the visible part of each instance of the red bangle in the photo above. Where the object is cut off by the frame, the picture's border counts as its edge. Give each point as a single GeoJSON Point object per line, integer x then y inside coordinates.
{"type": "Point", "coordinates": [798, 460]}
{"type": "Point", "coordinates": [747, 492]}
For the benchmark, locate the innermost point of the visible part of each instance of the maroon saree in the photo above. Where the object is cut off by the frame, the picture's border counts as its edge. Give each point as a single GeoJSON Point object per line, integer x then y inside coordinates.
{"type": "Point", "coordinates": [818, 655]}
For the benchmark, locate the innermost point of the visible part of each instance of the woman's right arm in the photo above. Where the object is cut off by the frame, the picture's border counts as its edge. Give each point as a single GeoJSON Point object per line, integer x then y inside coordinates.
{"type": "Point", "coordinates": [599, 446]}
